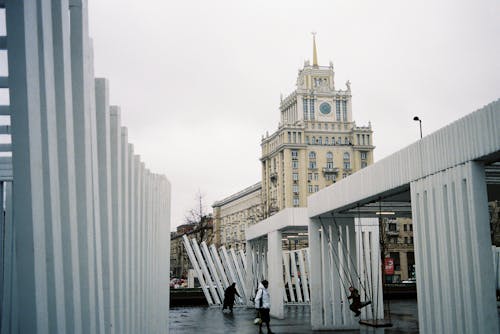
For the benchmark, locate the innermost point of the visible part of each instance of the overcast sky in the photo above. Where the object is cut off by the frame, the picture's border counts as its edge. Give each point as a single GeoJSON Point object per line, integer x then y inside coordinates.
{"type": "Point", "coordinates": [199, 81]}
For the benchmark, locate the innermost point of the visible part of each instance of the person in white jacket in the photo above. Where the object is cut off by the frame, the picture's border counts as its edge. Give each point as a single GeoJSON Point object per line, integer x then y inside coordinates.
{"type": "Point", "coordinates": [263, 304]}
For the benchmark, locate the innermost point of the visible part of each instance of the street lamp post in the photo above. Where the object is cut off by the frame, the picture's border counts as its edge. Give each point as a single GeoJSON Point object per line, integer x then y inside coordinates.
{"type": "Point", "coordinates": [420, 122]}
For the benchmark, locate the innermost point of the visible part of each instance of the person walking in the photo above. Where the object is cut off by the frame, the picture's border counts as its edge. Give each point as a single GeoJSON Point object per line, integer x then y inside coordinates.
{"type": "Point", "coordinates": [356, 301]}
{"type": "Point", "coordinates": [229, 296]}
{"type": "Point", "coordinates": [263, 305]}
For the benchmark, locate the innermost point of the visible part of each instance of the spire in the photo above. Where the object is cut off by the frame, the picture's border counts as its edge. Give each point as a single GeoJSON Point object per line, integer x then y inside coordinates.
{"type": "Point", "coordinates": [315, 53]}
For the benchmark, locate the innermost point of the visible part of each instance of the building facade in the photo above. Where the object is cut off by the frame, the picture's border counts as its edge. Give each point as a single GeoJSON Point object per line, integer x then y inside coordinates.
{"type": "Point", "coordinates": [317, 141]}
{"type": "Point", "coordinates": [233, 214]}
{"type": "Point", "coordinates": [397, 243]}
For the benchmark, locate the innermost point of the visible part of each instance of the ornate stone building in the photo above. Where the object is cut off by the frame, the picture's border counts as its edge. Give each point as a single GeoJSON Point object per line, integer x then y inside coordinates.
{"type": "Point", "coordinates": [235, 213]}
{"type": "Point", "coordinates": [317, 141]}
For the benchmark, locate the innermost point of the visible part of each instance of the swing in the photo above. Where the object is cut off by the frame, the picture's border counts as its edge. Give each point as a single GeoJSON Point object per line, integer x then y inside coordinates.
{"type": "Point", "coordinates": [374, 322]}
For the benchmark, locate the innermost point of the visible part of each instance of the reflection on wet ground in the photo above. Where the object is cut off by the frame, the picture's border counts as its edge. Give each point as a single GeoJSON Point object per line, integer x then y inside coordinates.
{"type": "Point", "coordinates": [297, 320]}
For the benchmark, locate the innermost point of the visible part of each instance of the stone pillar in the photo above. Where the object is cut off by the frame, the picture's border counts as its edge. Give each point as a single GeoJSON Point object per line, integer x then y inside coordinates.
{"type": "Point", "coordinates": [275, 273]}
{"type": "Point", "coordinates": [450, 215]}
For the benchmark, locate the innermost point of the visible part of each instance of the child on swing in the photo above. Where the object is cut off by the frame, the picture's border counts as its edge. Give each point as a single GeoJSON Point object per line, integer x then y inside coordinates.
{"type": "Point", "coordinates": [356, 301]}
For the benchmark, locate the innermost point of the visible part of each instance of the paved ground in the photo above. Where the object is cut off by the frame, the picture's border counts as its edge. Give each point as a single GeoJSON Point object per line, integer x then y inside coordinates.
{"type": "Point", "coordinates": [186, 320]}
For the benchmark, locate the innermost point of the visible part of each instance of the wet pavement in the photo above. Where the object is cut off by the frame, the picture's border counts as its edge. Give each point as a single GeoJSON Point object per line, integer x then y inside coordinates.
{"type": "Point", "coordinates": [186, 320]}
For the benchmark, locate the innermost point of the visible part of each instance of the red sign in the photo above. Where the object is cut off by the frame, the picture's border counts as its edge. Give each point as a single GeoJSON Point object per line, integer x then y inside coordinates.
{"type": "Point", "coordinates": [389, 266]}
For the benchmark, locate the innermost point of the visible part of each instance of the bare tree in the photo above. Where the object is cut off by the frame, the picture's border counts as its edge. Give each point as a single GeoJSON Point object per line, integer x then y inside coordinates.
{"type": "Point", "coordinates": [201, 219]}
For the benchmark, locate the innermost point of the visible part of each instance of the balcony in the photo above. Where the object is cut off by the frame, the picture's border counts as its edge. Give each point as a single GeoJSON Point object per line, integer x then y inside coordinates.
{"type": "Point", "coordinates": [333, 170]}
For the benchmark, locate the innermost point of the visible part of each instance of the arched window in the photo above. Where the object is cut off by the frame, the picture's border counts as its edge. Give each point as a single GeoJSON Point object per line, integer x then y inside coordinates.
{"type": "Point", "coordinates": [333, 140]}
{"type": "Point", "coordinates": [346, 156]}
{"type": "Point", "coordinates": [313, 141]}
{"type": "Point", "coordinates": [326, 140]}
{"type": "Point", "coordinates": [312, 155]}
{"type": "Point", "coordinates": [329, 156]}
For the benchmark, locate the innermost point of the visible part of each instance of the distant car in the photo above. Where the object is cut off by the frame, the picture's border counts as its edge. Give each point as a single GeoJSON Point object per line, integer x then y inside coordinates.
{"type": "Point", "coordinates": [410, 281]}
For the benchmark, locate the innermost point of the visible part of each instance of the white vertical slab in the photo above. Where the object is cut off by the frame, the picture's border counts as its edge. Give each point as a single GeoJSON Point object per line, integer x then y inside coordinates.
{"type": "Point", "coordinates": [104, 166]}
{"type": "Point", "coordinates": [275, 274]}
{"type": "Point", "coordinates": [116, 209]}
{"type": "Point", "coordinates": [213, 270]}
{"type": "Point", "coordinates": [54, 261]}
{"type": "Point", "coordinates": [131, 238]}
{"type": "Point", "coordinates": [239, 273]}
{"type": "Point", "coordinates": [197, 268]}
{"type": "Point", "coordinates": [81, 114]}
{"type": "Point", "coordinates": [219, 266]}
{"type": "Point", "coordinates": [296, 275]}
{"type": "Point", "coordinates": [288, 278]}
{"type": "Point", "coordinates": [304, 274]}
{"type": "Point", "coordinates": [459, 198]}
{"type": "Point", "coordinates": [92, 134]}
{"type": "Point", "coordinates": [26, 161]}
{"type": "Point", "coordinates": [126, 229]}
{"type": "Point", "coordinates": [227, 266]}
{"type": "Point", "coordinates": [65, 134]}
{"type": "Point", "coordinates": [206, 273]}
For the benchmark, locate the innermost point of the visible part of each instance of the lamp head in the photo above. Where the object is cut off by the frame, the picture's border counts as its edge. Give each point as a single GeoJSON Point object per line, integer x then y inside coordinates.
{"type": "Point", "coordinates": [416, 118]}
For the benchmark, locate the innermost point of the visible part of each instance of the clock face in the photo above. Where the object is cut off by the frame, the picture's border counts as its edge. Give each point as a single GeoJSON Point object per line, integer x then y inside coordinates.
{"type": "Point", "coordinates": [325, 108]}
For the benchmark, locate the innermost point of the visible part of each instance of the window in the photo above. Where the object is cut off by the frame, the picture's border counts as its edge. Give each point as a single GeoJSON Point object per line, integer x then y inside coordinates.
{"type": "Point", "coordinates": [295, 164]}
{"type": "Point", "coordinates": [311, 111]}
{"type": "Point", "coordinates": [310, 188]}
{"type": "Point", "coordinates": [406, 240]}
{"type": "Point", "coordinates": [313, 141]}
{"type": "Point", "coordinates": [309, 176]}
{"type": "Point", "coordinates": [312, 155]}
{"type": "Point", "coordinates": [337, 109]}
{"type": "Point", "coordinates": [294, 135]}
{"type": "Point", "coordinates": [392, 227]}
{"type": "Point", "coordinates": [300, 137]}
{"type": "Point", "coordinates": [295, 155]}
{"type": "Point", "coordinates": [304, 103]}
{"type": "Point", "coordinates": [363, 155]}
{"type": "Point", "coordinates": [316, 176]}
{"type": "Point", "coordinates": [289, 137]}
{"type": "Point", "coordinates": [347, 156]}
{"type": "Point", "coordinates": [344, 110]}
{"type": "Point", "coordinates": [346, 141]}
{"type": "Point", "coordinates": [397, 262]}
{"type": "Point", "coordinates": [295, 201]}
{"type": "Point", "coordinates": [329, 164]}
{"type": "Point", "coordinates": [411, 227]}
{"type": "Point", "coordinates": [347, 165]}
{"type": "Point", "coordinates": [344, 175]}
{"type": "Point", "coordinates": [333, 140]}
{"type": "Point", "coordinates": [316, 188]}
{"type": "Point", "coordinates": [295, 189]}
{"type": "Point", "coordinates": [307, 139]}
{"type": "Point", "coordinates": [329, 156]}
{"type": "Point", "coordinates": [312, 164]}
{"type": "Point", "coordinates": [295, 176]}
{"type": "Point", "coordinates": [404, 227]}
{"type": "Point", "coordinates": [411, 240]}
{"type": "Point", "coordinates": [326, 140]}
{"type": "Point", "coordinates": [320, 140]}
{"type": "Point", "coordinates": [363, 164]}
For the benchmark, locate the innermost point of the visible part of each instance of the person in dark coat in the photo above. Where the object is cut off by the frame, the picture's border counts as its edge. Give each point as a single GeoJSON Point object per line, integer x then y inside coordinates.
{"type": "Point", "coordinates": [356, 301]}
{"type": "Point", "coordinates": [229, 295]}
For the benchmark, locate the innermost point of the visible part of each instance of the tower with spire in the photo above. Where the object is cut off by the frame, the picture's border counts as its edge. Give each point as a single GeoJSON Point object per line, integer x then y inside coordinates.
{"type": "Point", "coordinates": [316, 143]}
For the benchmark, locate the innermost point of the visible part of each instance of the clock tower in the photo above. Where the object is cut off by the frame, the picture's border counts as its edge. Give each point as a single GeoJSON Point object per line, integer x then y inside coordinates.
{"type": "Point", "coordinates": [317, 141]}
